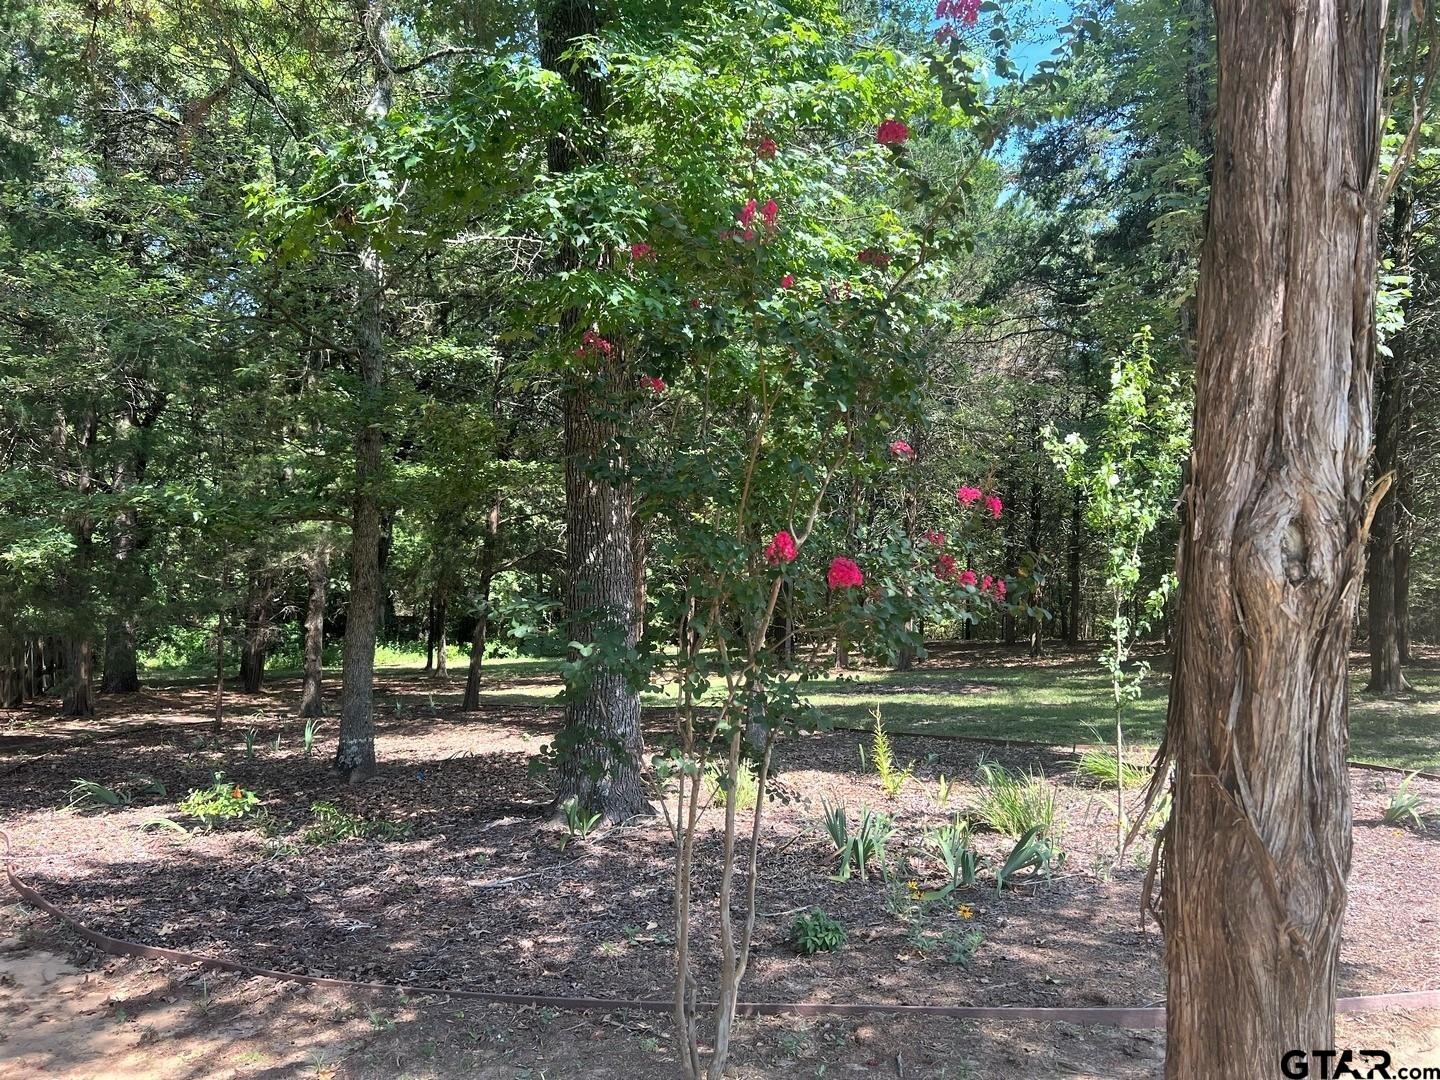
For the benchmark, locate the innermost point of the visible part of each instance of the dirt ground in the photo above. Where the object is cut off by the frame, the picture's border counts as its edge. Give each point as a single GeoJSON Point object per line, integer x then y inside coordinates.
{"type": "Point", "coordinates": [479, 893]}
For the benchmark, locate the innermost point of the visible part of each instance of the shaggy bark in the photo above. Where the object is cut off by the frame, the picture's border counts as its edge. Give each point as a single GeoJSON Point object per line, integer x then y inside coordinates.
{"type": "Point", "coordinates": [1258, 848]}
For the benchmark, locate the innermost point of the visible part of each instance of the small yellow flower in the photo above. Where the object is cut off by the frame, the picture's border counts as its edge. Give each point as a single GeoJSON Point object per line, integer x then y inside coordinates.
{"type": "Point", "coordinates": [965, 911]}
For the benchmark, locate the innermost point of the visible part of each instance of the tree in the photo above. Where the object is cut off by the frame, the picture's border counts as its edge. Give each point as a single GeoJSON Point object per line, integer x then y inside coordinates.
{"type": "Point", "coordinates": [1258, 847]}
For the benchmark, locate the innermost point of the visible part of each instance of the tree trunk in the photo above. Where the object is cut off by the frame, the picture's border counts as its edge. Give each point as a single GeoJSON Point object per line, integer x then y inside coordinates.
{"type": "Point", "coordinates": [78, 699]}
{"type": "Point", "coordinates": [317, 573]}
{"type": "Point", "coordinates": [600, 745]}
{"type": "Point", "coordinates": [12, 674]}
{"type": "Point", "coordinates": [255, 646]}
{"type": "Point", "coordinates": [442, 640]}
{"type": "Point", "coordinates": [1258, 847]}
{"type": "Point", "coordinates": [355, 753]}
{"type": "Point", "coordinates": [122, 668]}
{"type": "Point", "coordinates": [471, 701]}
{"type": "Point", "coordinates": [1072, 598]}
{"type": "Point", "coordinates": [1391, 390]}
{"type": "Point", "coordinates": [601, 741]}
{"type": "Point", "coordinates": [430, 634]}
{"type": "Point", "coordinates": [489, 554]}
{"type": "Point", "coordinates": [355, 750]}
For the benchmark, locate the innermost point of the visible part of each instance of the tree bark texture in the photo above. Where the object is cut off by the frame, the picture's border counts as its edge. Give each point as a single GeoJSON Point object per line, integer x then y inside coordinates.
{"type": "Point", "coordinates": [602, 751]}
{"type": "Point", "coordinates": [602, 722]}
{"type": "Point", "coordinates": [355, 751]}
{"type": "Point", "coordinates": [1258, 848]}
{"type": "Point", "coordinates": [78, 698]}
{"type": "Point", "coordinates": [255, 645]}
{"type": "Point", "coordinates": [355, 754]}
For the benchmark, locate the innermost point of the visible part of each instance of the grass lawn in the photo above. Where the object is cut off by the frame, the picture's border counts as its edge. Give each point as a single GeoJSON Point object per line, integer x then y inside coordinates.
{"type": "Point", "coordinates": [989, 692]}
{"type": "Point", "coordinates": [1062, 700]}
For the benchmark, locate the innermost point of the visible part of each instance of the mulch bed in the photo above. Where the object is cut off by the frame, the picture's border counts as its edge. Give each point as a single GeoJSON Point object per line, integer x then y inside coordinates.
{"type": "Point", "coordinates": [481, 894]}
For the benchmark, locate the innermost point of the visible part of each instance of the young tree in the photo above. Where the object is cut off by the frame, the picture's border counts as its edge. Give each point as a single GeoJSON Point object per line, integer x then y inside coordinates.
{"type": "Point", "coordinates": [1257, 850]}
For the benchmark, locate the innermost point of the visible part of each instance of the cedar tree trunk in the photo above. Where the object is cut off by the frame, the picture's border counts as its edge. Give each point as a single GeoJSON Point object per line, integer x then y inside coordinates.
{"type": "Point", "coordinates": [1258, 848]}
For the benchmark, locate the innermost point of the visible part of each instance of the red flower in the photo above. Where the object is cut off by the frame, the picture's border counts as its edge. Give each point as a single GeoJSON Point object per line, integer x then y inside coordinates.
{"type": "Point", "coordinates": [934, 538]}
{"type": "Point", "coordinates": [787, 281]}
{"type": "Point", "coordinates": [968, 578]}
{"type": "Point", "coordinates": [986, 582]}
{"type": "Point", "coordinates": [770, 211]}
{"type": "Point", "coordinates": [945, 567]}
{"type": "Point", "coordinates": [844, 573]}
{"type": "Point", "coordinates": [695, 302]}
{"type": "Point", "coordinates": [766, 149]}
{"type": "Point", "coordinates": [891, 132]}
{"type": "Point", "coordinates": [995, 506]}
{"type": "Point", "coordinates": [641, 252]}
{"type": "Point", "coordinates": [875, 257]}
{"type": "Point", "coordinates": [653, 383]}
{"type": "Point", "coordinates": [781, 548]}
{"type": "Point", "coordinates": [592, 343]}
{"type": "Point", "coordinates": [999, 588]}
{"type": "Point", "coordinates": [902, 449]}
{"type": "Point", "coordinates": [945, 33]}
{"type": "Point", "coordinates": [748, 214]}
{"type": "Point", "coordinates": [967, 495]}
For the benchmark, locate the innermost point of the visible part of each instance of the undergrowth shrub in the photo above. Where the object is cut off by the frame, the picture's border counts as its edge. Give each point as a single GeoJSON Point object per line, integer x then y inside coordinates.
{"type": "Point", "coordinates": [1015, 803]}
{"type": "Point", "coordinates": [892, 777]}
{"type": "Point", "coordinates": [332, 825]}
{"type": "Point", "coordinates": [747, 786]}
{"type": "Point", "coordinates": [1406, 807]}
{"type": "Point", "coordinates": [815, 932]}
{"type": "Point", "coordinates": [954, 852]}
{"type": "Point", "coordinates": [862, 850]}
{"type": "Point", "coordinates": [221, 801]}
{"type": "Point", "coordinates": [1101, 766]}
{"type": "Point", "coordinates": [1032, 852]}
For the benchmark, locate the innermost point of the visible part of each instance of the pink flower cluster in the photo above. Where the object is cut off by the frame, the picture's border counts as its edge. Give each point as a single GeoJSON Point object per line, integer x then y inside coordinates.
{"type": "Point", "coordinates": [592, 344]}
{"type": "Point", "coordinates": [844, 573]}
{"type": "Point", "coordinates": [934, 537]}
{"type": "Point", "coordinates": [653, 383]}
{"type": "Point", "coordinates": [994, 586]}
{"type": "Point", "coordinates": [788, 281]}
{"type": "Point", "coordinates": [781, 548]}
{"type": "Point", "coordinates": [769, 215]}
{"type": "Point", "coordinates": [965, 12]}
{"type": "Point", "coordinates": [968, 496]}
{"type": "Point", "coordinates": [766, 148]}
{"type": "Point", "coordinates": [892, 132]}
{"type": "Point", "coordinates": [874, 257]}
{"type": "Point", "coordinates": [902, 449]}
{"type": "Point", "coordinates": [641, 253]}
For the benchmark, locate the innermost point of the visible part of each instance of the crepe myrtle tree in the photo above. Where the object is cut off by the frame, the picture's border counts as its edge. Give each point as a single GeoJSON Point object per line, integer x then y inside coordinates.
{"type": "Point", "coordinates": [751, 324]}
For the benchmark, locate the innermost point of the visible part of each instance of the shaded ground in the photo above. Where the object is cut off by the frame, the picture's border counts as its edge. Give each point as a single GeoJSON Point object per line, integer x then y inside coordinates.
{"type": "Point", "coordinates": [479, 894]}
